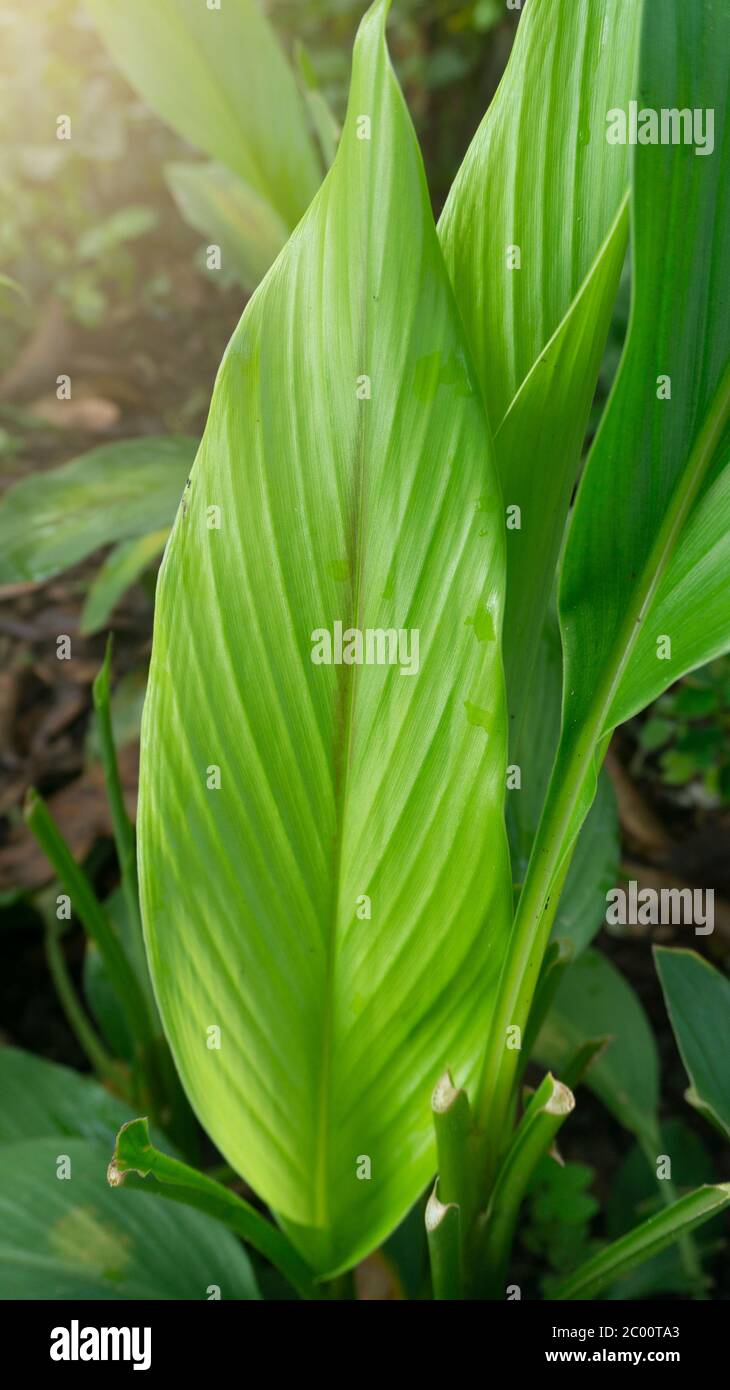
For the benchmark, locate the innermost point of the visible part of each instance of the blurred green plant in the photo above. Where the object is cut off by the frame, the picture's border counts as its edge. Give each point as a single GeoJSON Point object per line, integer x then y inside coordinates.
{"type": "Point", "coordinates": [227, 88]}
{"type": "Point", "coordinates": [140, 1067]}
{"type": "Point", "coordinates": [686, 738]}
{"type": "Point", "coordinates": [72, 208]}
{"type": "Point", "coordinates": [269, 150]}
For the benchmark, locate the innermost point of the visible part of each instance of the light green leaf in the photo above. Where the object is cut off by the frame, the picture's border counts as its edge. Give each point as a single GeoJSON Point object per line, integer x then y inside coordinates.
{"type": "Point", "coordinates": [117, 492]}
{"type": "Point", "coordinates": [698, 1002]}
{"type": "Point", "coordinates": [645, 1241]}
{"type": "Point", "coordinates": [325, 125]}
{"type": "Point", "coordinates": [594, 1000]}
{"type": "Point", "coordinates": [554, 185]}
{"type": "Point", "coordinates": [40, 1099]}
{"type": "Point", "coordinates": [232, 215]}
{"type": "Point", "coordinates": [338, 907]}
{"type": "Point", "coordinates": [657, 464]}
{"type": "Point", "coordinates": [74, 1238]}
{"type": "Point", "coordinates": [654, 466]}
{"type": "Point", "coordinates": [541, 181]}
{"type": "Point", "coordinates": [122, 568]}
{"type": "Point", "coordinates": [220, 79]}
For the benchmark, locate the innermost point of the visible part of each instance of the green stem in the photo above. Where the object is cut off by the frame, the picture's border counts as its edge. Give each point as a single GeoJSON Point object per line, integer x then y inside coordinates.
{"type": "Point", "coordinates": [93, 917]}
{"type": "Point", "coordinates": [178, 1117]}
{"type": "Point", "coordinates": [547, 1111]}
{"type": "Point", "coordinates": [106, 1068]}
{"type": "Point", "coordinates": [578, 761]}
{"type": "Point", "coordinates": [222, 1172]}
{"type": "Point", "coordinates": [558, 956]}
{"type": "Point", "coordinates": [455, 1149]}
{"type": "Point", "coordinates": [443, 1231]}
{"type": "Point", "coordinates": [123, 830]}
{"type": "Point", "coordinates": [650, 1145]}
{"type": "Point", "coordinates": [582, 1060]}
{"type": "Point", "coordinates": [137, 1162]}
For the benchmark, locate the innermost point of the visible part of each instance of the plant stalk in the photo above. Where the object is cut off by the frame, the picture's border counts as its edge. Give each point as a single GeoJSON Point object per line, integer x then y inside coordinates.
{"type": "Point", "coordinates": [137, 1162]}
{"type": "Point", "coordinates": [107, 1069]}
{"type": "Point", "coordinates": [547, 1111]}
{"type": "Point", "coordinates": [443, 1231]}
{"type": "Point", "coordinates": [95, 921]}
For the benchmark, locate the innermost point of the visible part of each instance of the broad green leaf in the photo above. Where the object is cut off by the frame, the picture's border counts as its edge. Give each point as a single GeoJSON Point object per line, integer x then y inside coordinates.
{"type": "Point", "coordinates": [594, 1000]}
{"type": "Point", "coordinates": [122, 568]}
{"type": "Point", "coordinates": [41, 1098]}
{"type": "Point", "coordinates": [220, 79]}
{"type": "Point", "coordinates": [117, 492]}
{"type": "Point", "coordinates": [698, 1002]}
{"type": "Point", "coordinates": [541, 182]}
{"type": "Point", "coordinates": [653, 460]}
{"type": "Point", "coordinates": [249, 231]}
{"type": "Point", "coordinates": [645, 1241]}
{"type": "Point", "coordinates": [337, 901]}
{"type": "Point", "coordinates": [635, 614]}
{"type": "Point", "coordinates": [74, 1238]}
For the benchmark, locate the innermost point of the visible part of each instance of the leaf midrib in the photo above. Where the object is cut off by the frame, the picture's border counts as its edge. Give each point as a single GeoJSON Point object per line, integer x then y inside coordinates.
{"type": "Point", "coordinates": [346, 704]}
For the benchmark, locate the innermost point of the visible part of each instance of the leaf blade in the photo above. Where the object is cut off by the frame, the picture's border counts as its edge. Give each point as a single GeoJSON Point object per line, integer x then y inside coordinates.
{"type": "Point", "coordinates": [594, 1000]}
{"type": "Point", "coordinates": [645, 1241]}
{"type": "Point", "coordinates": [220, 79]}
{"type": "Point", "coordinates": [311, 822]}
{"type": "Point", "coordinates": [75, 1238]}
{"type": "Point", "coordinates": [555, 191]}
{"type": "Point", "coordinates": [652, 454]}
{"type": "Point", "coordinates": [117, 492]}
{"type": "Point", "coordinates": [220, 205]}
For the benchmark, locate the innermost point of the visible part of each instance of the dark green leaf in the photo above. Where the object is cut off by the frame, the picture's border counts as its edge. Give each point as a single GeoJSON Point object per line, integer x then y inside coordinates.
{"type": "Point", "coordinates": [698, 1002]}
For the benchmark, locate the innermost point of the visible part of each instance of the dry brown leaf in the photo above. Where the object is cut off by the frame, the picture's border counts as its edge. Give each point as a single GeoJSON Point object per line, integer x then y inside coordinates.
{"type": "Point", "coordinates": [82, 812]}
{"type": "Point", "coordinates": [93, 413]}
